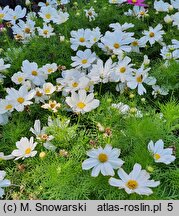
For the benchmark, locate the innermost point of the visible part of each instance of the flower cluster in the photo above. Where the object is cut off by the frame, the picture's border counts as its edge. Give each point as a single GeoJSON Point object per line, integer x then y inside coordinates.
{"type": "Point", "coordinates": [116, 58]}
{"type": "Point", "coordinates": [107, 159]}
{"type": "Point", "coordinates": [24, 30]}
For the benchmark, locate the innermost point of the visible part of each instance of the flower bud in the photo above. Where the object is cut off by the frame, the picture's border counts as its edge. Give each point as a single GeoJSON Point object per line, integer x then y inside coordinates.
{"type": "Point", "coordinates": [42, 155]}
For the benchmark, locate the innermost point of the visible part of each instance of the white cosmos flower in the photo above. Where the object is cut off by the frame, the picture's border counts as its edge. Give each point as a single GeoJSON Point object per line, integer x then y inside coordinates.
{"type": "Point", "coordinates": [140, 12]}
{"type": "Point", "coordinates": [161, 6]}
{"type": "Point", "coordinates": [141, 76]}
{"type": "Point", "coordinates": [48, 13]}
{"type": "Point", "coordinates": [19, 78]}
{"type": "Point", "coordinates": [175, 43]}
{"type": "Point", "coordinates": [40, 133]}
{"type": "Point", "coordinates": [160, 154]}
{"type": "Point", "coordinates": [168, 52]}
{"type": "Point", "coordinates": [25, 148]}
{"type": "Point", "coordinates": [52, 105]}
{"type": "Point", "coordinates": [81, 37]}
{"type": "Point", "coordinates": [123, 108]}
{"type": "Point", "coordinates": [137, 44]}
{"type": "Point", "coordinates": [122, 70]}
{"type": "Point", "coordinates": [157, 90]}
{"type": "Point", "coordinates": [101, 72]}
{"type": "Point", "coordinates": [61, 17]}
{"type": "Point", "coordinates": [137, 181]}
{"type": "Point", "coordinates": [14, 15]}
{"type": "Point", "coordinates": [117, 41]}
{"type": "Point", "coordinates": [95, 36]}
{"type": "Point", "coordinates": [40, 95]}
{"type": "Point", "coordinates": [3, 12]}
{"type": "Point", "coordinates": [3, 66]}
{"type": "Point", "coordinates": [52, 3]}
{"type": "Point", "coordinates": [49, 68]}
{"type": "Point", "coordinates": [46, 31]}
{"type": "Point", "coordinates": [33, 73]}
{"type": "Point", "coordinates": [3, 182]}
{"type": "Point", "coordinates": [103, 160]}
{"type": "Point", "coordinates": [20, 98]}
{"type": "Point", "coordinates": [175, 4]}
{"type": "Point", "coordinates": [153, 35]}
{"type": "Point", "coordinates": [83, 59]}
{"type": "Point", "coordinates": [81, 102]}
{"type": "Point", "coordinates": [6, 106]}
{"type": "Point", "coordinates": [175, 18]}
{"type": "Point", "coordinates": [28, 28]}
{"type": "Point", "coordinates": [72, 80]}
{"type": "Point", "coordinates": [91, 14]}
{"type": "Point", "coordinates": [49, 88]}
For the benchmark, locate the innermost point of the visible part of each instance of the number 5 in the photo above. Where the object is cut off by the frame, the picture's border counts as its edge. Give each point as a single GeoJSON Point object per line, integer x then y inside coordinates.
{"type": "Point", "coordinates": [170, 207]}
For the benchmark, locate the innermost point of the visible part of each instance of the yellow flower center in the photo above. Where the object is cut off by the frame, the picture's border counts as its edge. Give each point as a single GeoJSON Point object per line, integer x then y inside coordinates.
{"type": "Point", "coordinates": [47, 90]}
{"type": "Point", "coordinates": [102, 158]}
{"type": "Point", "coordinates": [28, 151]}
{"type": "Point", "coordinates": [134, 1]}
{"type": "Point", "coordinates": [135, 43]}
{"type": "Point", "coordinates": [44, 136]}
{"type": "Point", "coordinates": [81, 105]}
{"type": "Point", "coordinates": [132, 184]}
{"type": "Point", "coordinates": [116, 45]}
{"type": "Point", "coordinates": [84, 61]}
{"type": "Point", "coordinates": [18, 37]}
{"type": "Point", "coordinates": [8, 107]}
{"type": "Point", "coordinates": [1, 16]}
{"type": "Point", "coordinates": [38, 94]}
{"type": "Point", "coordinates": [20, 100]}
{"type": "Point", "coordinates": [27, 30]}
{"type": "Point", "coordinates": [20, 79]}
{"type": "Point", "coordinates": [45, 32]}
{"type": "Point", "coordinates": [52, 105]}
{"type": "Point", "coordinates": [94, 39]}
{"type": "Point", "coordinates": [139, 79]}
{"type": "Point", "coordinates": [90, 13]}
{"type": "Point", "coordinates": [47, 4]}
{"type": "Point", "coordinates": [15, 17]}
{"type": "Point", "coordinates": [87, 88]}
{"type": "Point", "coordinates": [151, 34]}
{"type": "Point", "coordinates": [50, 70]}
{"type": "Point", "coordinates": [48, 16]}
{"type": "Point", "coordinates": [142, 13]}
{"type": "Point", "coordinates": [75, 84]}
{"type": "Point", "coordinates": [122, 70]}
{"type": "Point", "coordinates": [82, 39]}
{"type": "Point", "coordinates": [157, 156]}
{"type": "Point", "coordinates": [34, 73]}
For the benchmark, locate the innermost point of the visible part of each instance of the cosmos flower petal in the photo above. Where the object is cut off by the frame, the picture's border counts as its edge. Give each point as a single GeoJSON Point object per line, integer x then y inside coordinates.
{"type": "Point", "coordinates": [89, 163]}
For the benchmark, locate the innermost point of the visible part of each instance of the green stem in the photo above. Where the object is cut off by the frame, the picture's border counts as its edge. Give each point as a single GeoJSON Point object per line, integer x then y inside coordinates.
{"type": "Point", "coordinates": [101, 84]}
{"type": "Point", "coordinates": [7, 38]}
{"type": "Point", "coordinates": [79, 116]}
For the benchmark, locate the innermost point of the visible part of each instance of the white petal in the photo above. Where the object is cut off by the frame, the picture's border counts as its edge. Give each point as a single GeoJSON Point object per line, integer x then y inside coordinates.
{"type": "Point", "coordinates": [116, 163]}
{"type": "Point", "coordinates": [96, 170]}
{"type": "Point", "coordinates": [107, 169]}
{"type": "Point", "coordinates": [123, 175]}
{"type": "Point", "coordinates": [135, 172]}
{"type": "Point", "coordinates": [116, 182]}
{"type": "Point", "coordinates": [89, 163]}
